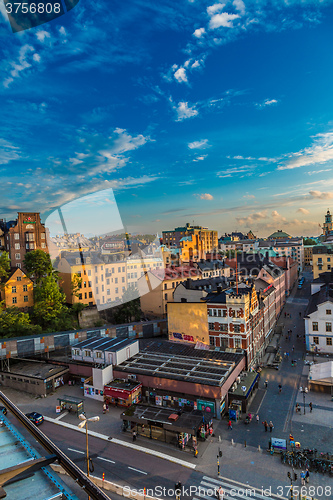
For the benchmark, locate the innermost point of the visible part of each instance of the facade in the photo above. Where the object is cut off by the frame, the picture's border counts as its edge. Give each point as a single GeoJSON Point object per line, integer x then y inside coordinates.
{"type": "Point", "coordinates": [188, 322]}
{"type": "Point", "coordinates": [93, 387]}
{"type": "Point", "coordinates": [290, 268]}
{"type": "Point", "coordinates": [123, 392]}
{"type": "Point", "coordinates": [319, 321]}
{"type": "Point", "coordinates": [25, 234]}
{"type": "Point", "coordinates": [156, 288]}
{"type": "Point", "coordinates": [195, 290]}
{"type": "Point", "coordinates": [18, 290]}
{"type": "Point", "coordinates": [136, 267]}
{"type": "Point", "coordinates": [213, 268]}
{"type": "Point", "coordinates": [200, 241]}
{"type": "Point", "coordinates": [286, 247]}
{"type": "Point", "coordinates": [105, 351]}
{"type": "Point", "coordinates": [322, 259]}
{"type": "Point", "coordinates": [308, 255]}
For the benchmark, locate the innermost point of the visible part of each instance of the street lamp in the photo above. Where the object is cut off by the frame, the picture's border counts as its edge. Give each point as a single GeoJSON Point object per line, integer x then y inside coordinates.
{"type": "Point", "coordinates": [81, 425]}
{"type": "Point", "coordinates": [304, 390]}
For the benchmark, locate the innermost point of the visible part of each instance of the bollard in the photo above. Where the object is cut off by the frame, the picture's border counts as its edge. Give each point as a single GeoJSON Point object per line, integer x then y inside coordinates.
{"type": "Point", "coordinates": [244, 444]}
{"type": "Point", "coordinates": [232, 442]}
{"type": "Point", "coordinates": [259, 448]}
{"type": "Point", "coordinates": [220, 439]}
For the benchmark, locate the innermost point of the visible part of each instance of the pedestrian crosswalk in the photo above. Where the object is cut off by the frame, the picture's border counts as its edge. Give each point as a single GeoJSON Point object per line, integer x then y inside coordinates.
{"type": "Point", "coordinates": [207, 490]}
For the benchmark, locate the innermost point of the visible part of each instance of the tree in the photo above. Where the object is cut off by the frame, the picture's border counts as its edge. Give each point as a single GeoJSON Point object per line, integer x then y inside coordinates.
{"type": "Point", "coordinates": [130, 309]}
{"type": "Point", "coordinates": [38, 265]}
{"type": "Point", "coordinates": [308, 241]}
{"type": "Point", "coordinates": [76, 285]}
{"type": "Point", "coordinates": [13, 323]}
{"type": "Point", "coordinates": [4, 266]}
{"type": "Point", "coordinates": [50, 309]}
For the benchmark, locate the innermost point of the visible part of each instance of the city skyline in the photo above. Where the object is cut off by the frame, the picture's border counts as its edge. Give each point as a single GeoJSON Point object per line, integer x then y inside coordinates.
{"type": "Point", "coordinates": [214, 113]}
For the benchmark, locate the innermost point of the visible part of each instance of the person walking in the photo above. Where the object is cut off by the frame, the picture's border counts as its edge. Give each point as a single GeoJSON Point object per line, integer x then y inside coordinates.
{"type": "Point", "coordinates": [257, 419]}
{"type": "Point", "coordinates": [220, 493]}
{"type": "Point", "coordinates": [265, 424]}
{"type": "Point", "coordinates": [104, 408]}
{"type": "Point", "coordinates": [266, 384]}
{"type": "Point", "coordinates": [303, 478]}
{"type": "Point", "coordinates": [310, 405]}
{"type": "Point", "coordinates": [307, 475]}
{"type": "Point", "coordinates": [271, 426]}
{"type": "Point", "coordinates": [230, 425]}
{"type": "Point", "coordinates": [280, 388]}
{"type": "Point", "coordinates": [134, 435]}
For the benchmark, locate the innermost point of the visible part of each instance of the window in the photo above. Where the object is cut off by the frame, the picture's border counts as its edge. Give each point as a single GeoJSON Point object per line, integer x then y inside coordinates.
{"type": "Point", "coordinates": [17, 246]}
{"type": "Point", "coordinates": [96, 279]}
{"type": "Point", "coordinates": [116, 290]}
{"type": "Point", "coordinates": [90, 284]}
{"type": "Point", "coordinates": [211, 326]}
{"type": "Point", "coordinates": [210, 312]}
{"type": "Point", "coordinates": [316, 340]}
{"type": "Point", "coordinates": [43, 245]}
{"type": "Point", "coordinates": [223, 327]}
{"type": "Point", "coordinates": [237, 343]}
{"type": "Point", "coordinates": [85, 284]}
{"type": "Point", "coordinates": [123, 279]}
{"type": "Point", "coordinates": [42, 236]}
{"type": "Point", "coordinates": [119, 269]}
{"type": "Point", "coordinates": [85, 295]}
{"type": "Point", "coordinates": [25, 298]}
{"type": "Point", "coordinates": [19, 278]}
{"type": "Point", "coordinates": [123, 288]}
{"type": "Point", "coordinates": [320, 259]}
{"type": "Point", "coordinates": [123, 269]}
{"type": "Point", "coordinates": [14, 300]}
{"type": "Point", "coordinates": [320, 268]}
{"type": "Point", "coordinates": [80, 296]}
{"type": "Point", "coordinates": [13, 289]}
{"type": "Point", "coordinates": [315, 326]}
{"type": "Point", "coordinates": [108, 281]}
{"type": "Point", "coordinates": [90, 295]}
{"type": "Point", "coordinates": [224, 313]}
{"type": "Point", "coordinates": [328, 311]}
{"type": "Point", "coordinates": [87, 353]}
{"type": "Point", "coordinates": [16, 236]}
{"type": "Point", "coordinates": [102, 288]}
{"type": "Point", "coordinates": [328, 327]}
{"type": "Point", "coordinates": [328, 267]}
{"type": "Point", "coordinates": [116, 280]}
{"type": "Point", "coordinates": [219, 312]}
{"type": "Point", "coordinates": [328, 340]}
{"type": "Point", "coordinates": [32, 246]}
{"type": "Point", "coordinates": [166, 296]}
{"type": "Point", "coordinates": [237, 328]}
{"type": "Point", "coordinates": [17, 256]}
{"type": "Point", "coordinates": [98, 355]}
{"type": "Point", "coordinates": [108, 291]}
{"type": "Point", "coordinates": [25, 288]}
{"type": "Point", "coordinates": [165, 286]}
{"type": "Point", "coordinates": [212, 341]}
{"type": "Point", "coordinates": [96, 289]}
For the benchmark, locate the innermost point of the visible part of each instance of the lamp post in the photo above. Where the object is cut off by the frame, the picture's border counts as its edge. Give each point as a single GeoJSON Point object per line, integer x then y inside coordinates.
{"type": "Point", "coordinates": [81, 425]}
{"type": "Point", "coordinates": [304, 390]}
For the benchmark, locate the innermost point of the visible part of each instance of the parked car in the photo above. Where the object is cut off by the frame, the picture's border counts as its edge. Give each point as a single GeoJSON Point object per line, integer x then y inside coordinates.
{"type": "Point", "coordinates": [35, 417]}
{"type": "Point", "coordinates": [3, 409]}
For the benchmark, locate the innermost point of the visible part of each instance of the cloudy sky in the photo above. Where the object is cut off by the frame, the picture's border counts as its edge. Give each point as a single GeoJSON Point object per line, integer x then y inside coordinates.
{"type": "Point", "coordinates": [190, 110]}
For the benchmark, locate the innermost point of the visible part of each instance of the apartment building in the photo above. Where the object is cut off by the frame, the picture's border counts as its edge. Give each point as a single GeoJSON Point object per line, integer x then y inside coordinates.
{"type": "Point", "coordinates": [319, 320]}
{"type": "Point", "coordinates": [194, 241]}
{"type": "Point", "coordinates": [322, 259]}
{"type": "Point", "coordinates": [285, 247]}
{"type": "Point", "coordinates": [24, 234]}
{"type": "Point", "coordinates": [18, 290]}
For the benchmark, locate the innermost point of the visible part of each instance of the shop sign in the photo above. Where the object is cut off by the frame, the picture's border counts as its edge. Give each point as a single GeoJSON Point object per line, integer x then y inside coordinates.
{"type": "Point", "coordinates": [222, 406]}
{"type": "Point", "coordinates": [207, 406]}
{"type": "Point", "coordinates": [58, 409]}
{"type": "Point", "coordinates": [158, 400]}
{"type": "Point", "coordinates": [279, 443]}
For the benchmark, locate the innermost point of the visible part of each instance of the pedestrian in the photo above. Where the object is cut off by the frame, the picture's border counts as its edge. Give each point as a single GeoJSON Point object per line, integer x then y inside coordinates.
{"type": "Point", "coordinates": [104, 407]}
{"type": "Point", "coordinates": [230, 425]}
{"type": "Point", "coordinates": [310, 405]}
{"type": "Point", "coordinates": [280, 388]}
{"type": "Point", "coordinates": [307, 475]}
{"type": "Point", "coordinates": [300, 314]}
{"type": "Point", "coordinates": [265, 424]}
{"type": "Point", "coordinates": [134, 435]}
{"type": "Point", "coordinates": [285, 314]}
{"type": "Point", "coordinates": [107, 406]}
{"type": "Point", "coordinates": [293, 348]}
{"type": "Point", "coordinates": [271, 426]}
{"type": "Point", "coordinates": [303, 478]}
{"type": "Point", "coordinates": [266, 384]}
{"type": "Point", "coordinates": [220, 493]}
{"type": "Point", "coordinates": [257, 419]}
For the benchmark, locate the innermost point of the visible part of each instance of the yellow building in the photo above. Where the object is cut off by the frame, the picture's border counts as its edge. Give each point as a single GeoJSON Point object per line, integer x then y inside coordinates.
{"type": "Point", "coordinates": [156, 288]}
{"type": "Point", "coordinates": [18, 290]}
{"type": "Point", "coordinates": [308, 255]}
{"type": "Point", "coordinates": [322, 259]}
{"type": "Point", "coordinates": [194, 241]}
{"type": "Point", "coordinates": [188, 322]}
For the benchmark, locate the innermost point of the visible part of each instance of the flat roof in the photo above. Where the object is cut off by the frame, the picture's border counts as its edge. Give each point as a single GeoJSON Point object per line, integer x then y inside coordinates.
{"type": "Point", "coordinates": [38, 370]}
{"type": "Point", "coordinates": [127, 385]}
{"type": "Point", "coordinates": [104, 344]}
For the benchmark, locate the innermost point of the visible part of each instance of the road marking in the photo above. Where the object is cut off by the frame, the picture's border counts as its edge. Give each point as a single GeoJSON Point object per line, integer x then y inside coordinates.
{"type": "Point", "coordinates": [106, 460]}
{"type": "Point", "coordinates": [62, 415]}
{"type": "Point", "coordinates": [77, 451]}
{"type": "Point", "coordinates": [137, 470]}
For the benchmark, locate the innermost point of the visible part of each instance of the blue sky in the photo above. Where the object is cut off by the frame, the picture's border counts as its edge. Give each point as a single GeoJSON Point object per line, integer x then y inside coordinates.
{"type": "Point", "coordinates": [217, 113]}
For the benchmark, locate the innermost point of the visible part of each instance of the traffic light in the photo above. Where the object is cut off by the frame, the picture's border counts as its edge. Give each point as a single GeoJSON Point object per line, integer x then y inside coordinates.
{"type": "Point", "coordinates": [295, 476]}
{"type": "Point", "coordinates": [220, 453]}
{"type": "Point", "coordinates": [289, 475]}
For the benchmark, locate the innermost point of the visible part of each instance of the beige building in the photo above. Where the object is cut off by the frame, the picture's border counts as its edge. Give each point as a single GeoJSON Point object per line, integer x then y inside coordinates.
{"type": "Point", "coordinates": [18, 290]}
{"type": "Point", "coordinates": [156, 288]}
{"type": "Point", "coordinates": [194, 241]}
{"type": "Point", "coordinates": [308, 255]}
{"type": "Point", "coordinates": [322, 259]}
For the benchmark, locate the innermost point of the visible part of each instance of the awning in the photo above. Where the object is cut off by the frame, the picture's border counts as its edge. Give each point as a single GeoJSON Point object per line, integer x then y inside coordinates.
{"type": "Point", "coordinates": [116, 393]}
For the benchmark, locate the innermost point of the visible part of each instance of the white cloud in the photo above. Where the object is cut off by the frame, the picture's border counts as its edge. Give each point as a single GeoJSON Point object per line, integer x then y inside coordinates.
{"type": "Point", "coordinates": [320, 195]}
{"type": "Point", "coordinates": [184, 111]}
{"type": "Point", "coordinates": [8, 152]}
{"type": "Point", "coordinates": [62, 31]}
{"type": "Point", "coordinates": [36, 57]}
{"type": "Point", "coordinates": [180, 75]}
{"type": "Point", "coordinates": [200, 158]}
{"type": "Point", "coordinates": [249, 196]}
{"type": "Point", "coordinates": [303, 211]}
{"type": "Point", "coordinates": [222, 20]}
{"type": "Point", "coordinates": [199, 144]}
{"type": "Point", "coordinates": [205, 196]}
{"type": "Point", "coordinates": [217, 7]}
{"type": "Point", "coordinates": [320, 152]}
{"type": "Point", "coordinates": [250, 219]}
{"type": "Point", "coordinates": [199, 32]}
{"type": "Point", "coordinates": [267, 102]}
{"type": "Point", "coordinates": [42, 35]}
{"type": "Point", "coordinates": [239, 5]}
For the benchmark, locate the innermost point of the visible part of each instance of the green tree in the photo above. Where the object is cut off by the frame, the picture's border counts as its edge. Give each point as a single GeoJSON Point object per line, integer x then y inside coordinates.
{"type": "Point", "coordinates": [4, 266]}
{"type": "Point", "coordinates": [130, 309]}
{"type": "Point", "coordinates": [38, 265]}
{"type": "Point", "coordinates": [76, 285]}
{"type": "Point", "coordinates": [15, 323]}
{"type": "Point", "coordinates": [49, 309]}
{"type": "Point", "coordinates": [308, 241]}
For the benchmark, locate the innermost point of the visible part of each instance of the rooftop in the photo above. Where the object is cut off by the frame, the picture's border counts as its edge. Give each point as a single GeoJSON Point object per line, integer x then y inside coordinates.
{"type": "Point", "coordinates": [127, 385]}
{"type": "Point", "coordinates": [35, 369]}
{"type": "Point", "coordinates": [104, 344]}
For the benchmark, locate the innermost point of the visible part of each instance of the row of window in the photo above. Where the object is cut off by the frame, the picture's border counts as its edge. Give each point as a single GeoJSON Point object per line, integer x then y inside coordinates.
{"type": "Point", "coordinates": [224, 327]}
{"type": "Point", "coordinates": [108, 292]}
{"type": "Point", "coordinates": [217, 312]}
{"type": "Point", "coordinates": [28, 236]}
{"type": "Point", "coordinates": [25, 288]}
{"type": "Point", "coordinates": [328, 325]}
{"type": "Point", "coordinates": [328, 340]}
{"type": "Point", "coordinates": [25, 299]}
{"type": "Point", "coordinates": [19, 379]}
{"type": "Point", "coordinates": [224, 343]}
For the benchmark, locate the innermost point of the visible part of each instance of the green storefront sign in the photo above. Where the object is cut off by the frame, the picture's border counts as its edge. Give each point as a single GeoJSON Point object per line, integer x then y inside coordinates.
{"type": "Point", "coordinates": [206, 406]}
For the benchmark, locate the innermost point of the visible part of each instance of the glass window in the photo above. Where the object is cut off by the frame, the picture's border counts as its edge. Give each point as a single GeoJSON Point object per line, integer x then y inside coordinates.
{"type": "Point", "coordinates": [211, 326]}
{"type": "Point", "coordinates": [14, 300]}
{"type": "Point", "coordinates": [25, 288]}
{"type": "Point", "coordinates": [90, 295]}
{"type": "Point", "coordinates": [17, 246]}
{"type": "Point", "coordinates": [328, 311]}
{"type": "Point", "coordinates": [19, 278]}
{"type": "Point", "coordinates": [329, 341]}
{"type": "Point", "coordinates": [212, 341]}
{"type": "Point", "coordinates": [17, 256]}
{"type": "Point", "coordinates": [237, 343]}
{"type": "Point", "coordinates": [16, 236]}
{"type": "Point", "coordinates": [25, 298]}
{"type": "Point", "coordinates": [328, 327]}
{"type": "Point", "coordinates": [13, 289]}
{"type": "Point", "coordinates": [166, 296]}
{"type": "Point", "coordinates": [316, 340]}
{"type": "Point", "coordinates": [315, 326]}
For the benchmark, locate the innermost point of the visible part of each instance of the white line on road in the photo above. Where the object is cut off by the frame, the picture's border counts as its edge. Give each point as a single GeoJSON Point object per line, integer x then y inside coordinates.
{"type": "Point", "coordinates": [77, 451]}
{"type": "Point", "coordinates": [106, 460]}
{"type": "Point", "coordinates": [137, 470]}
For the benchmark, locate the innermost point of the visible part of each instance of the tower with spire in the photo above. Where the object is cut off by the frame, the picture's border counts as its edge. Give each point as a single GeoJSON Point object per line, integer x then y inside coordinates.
{"type": "Point", "coordinates": [328, 225]}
